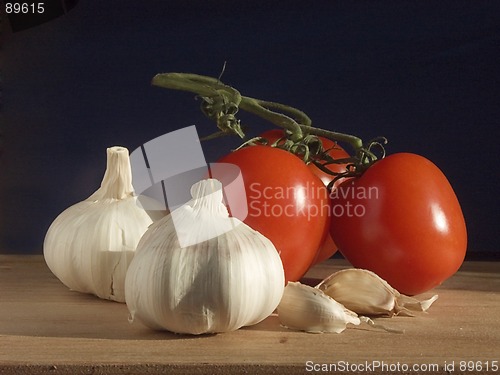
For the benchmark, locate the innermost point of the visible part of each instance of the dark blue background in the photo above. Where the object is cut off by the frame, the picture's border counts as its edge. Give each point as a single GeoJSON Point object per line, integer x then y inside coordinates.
{"type": "Point", "coordinates": [424, 74]}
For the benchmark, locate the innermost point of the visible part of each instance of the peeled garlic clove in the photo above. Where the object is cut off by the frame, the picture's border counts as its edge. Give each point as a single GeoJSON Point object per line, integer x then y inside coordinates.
{"type": "Point", "coordinates": [227, 277]}
{"type": "Point", "coordinates": [366, 293]}
{"type": "Point", "coordinates": [308, 309]}
{"type": "Point", "coordinates": [89, 246]}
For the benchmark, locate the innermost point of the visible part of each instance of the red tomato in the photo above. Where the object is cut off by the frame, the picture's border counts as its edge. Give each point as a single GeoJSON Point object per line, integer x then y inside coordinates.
{"type": "Point", "coordinates": [328, 247]}
{"type": "Point", "coordinates": [401, 219]}
{"type": "Point", "coordinates": [286, 203]}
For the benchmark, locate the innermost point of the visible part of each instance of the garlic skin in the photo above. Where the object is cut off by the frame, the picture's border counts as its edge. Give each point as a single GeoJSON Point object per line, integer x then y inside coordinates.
{"type": "Point", "coordinates": [230, 277]}
{"type": "Point", "coordinates": [365, 293]}
{"type": "Point", "coordinates": [305, 308]}
{"type": "Point", "coordinates": [89, 245]}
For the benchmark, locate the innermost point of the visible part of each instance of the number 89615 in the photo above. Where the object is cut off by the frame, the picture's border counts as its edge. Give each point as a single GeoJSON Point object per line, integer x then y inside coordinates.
{"type": "Point", "coordinates": [24, 8]}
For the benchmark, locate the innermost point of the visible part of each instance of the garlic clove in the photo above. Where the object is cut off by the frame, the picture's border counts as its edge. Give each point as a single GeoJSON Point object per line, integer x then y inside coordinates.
{"type": "Point", "coordinates": [308, 309]}
{"type": "Point", "coordinates": [366, 293]}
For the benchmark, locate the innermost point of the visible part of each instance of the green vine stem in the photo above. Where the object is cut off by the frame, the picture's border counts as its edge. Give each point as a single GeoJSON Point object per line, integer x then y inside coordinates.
{"type": "Point", "coordinates": [221, 102]}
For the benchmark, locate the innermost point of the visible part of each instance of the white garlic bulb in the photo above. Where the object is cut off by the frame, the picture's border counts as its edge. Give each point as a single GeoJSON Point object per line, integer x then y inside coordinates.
{"type": "Point", "coordinates": [90, 244]}
{"type": "Point", "coordinates": [366, 293]}
{"type": "Point", "coordinates": [305, 308]}
{"type": "Point", "coordinates": [229, 277]}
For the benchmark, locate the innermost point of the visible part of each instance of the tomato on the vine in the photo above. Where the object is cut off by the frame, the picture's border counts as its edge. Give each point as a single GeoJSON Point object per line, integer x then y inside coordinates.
{"type": "Point", "coordinates": [286, 203]}
{"type": "Point", "coordinates": [328, 248]}
{"type": "Point", "coordinates": [402, 220]}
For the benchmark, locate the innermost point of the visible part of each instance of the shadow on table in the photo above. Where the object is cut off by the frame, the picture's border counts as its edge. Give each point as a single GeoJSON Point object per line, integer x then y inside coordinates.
{"type": "Point", "coordinates": [86, 316]}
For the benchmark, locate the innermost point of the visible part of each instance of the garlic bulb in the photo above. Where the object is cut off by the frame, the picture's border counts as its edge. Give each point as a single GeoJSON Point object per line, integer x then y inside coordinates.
{"type": "Point", "coordinates": [308, 309]}
{"type": "Point", "coordinates": [229, 277]}
{"type": "Point", "coordinates": [90, 244]}
{"type": "Point", "coordinates": [366, 293]}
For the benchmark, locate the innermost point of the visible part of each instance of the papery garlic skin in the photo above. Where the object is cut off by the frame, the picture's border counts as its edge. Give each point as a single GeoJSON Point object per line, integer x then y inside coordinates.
{"type": "Point", "coordinates": [366, 293]}
{"type": "Point", "coordinates": [89, 245]}
{"type": "Point", "coordinates": [233, 277]}
{"type": "Point", "coordinates": [308, 309]}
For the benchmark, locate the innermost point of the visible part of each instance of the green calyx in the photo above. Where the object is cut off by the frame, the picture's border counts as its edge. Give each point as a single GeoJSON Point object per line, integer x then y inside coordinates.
{"type": "Point", "coordinates": [220, 103]}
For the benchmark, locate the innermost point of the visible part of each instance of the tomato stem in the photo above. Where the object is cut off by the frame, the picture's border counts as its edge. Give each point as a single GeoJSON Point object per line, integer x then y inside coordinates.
{"type": "Point", "coordinates": [221, 102]}
{"type": "Point", "coordinates": [261, 108]}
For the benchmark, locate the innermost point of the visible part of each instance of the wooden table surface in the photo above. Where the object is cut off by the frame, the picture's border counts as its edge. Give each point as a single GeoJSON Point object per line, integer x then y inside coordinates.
{"type": "Point", "coordinates": [46, 328]}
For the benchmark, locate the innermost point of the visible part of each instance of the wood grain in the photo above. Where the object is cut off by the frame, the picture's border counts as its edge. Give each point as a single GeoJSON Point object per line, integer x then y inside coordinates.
{"type": "Point", "coordinates": [46, 328]}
